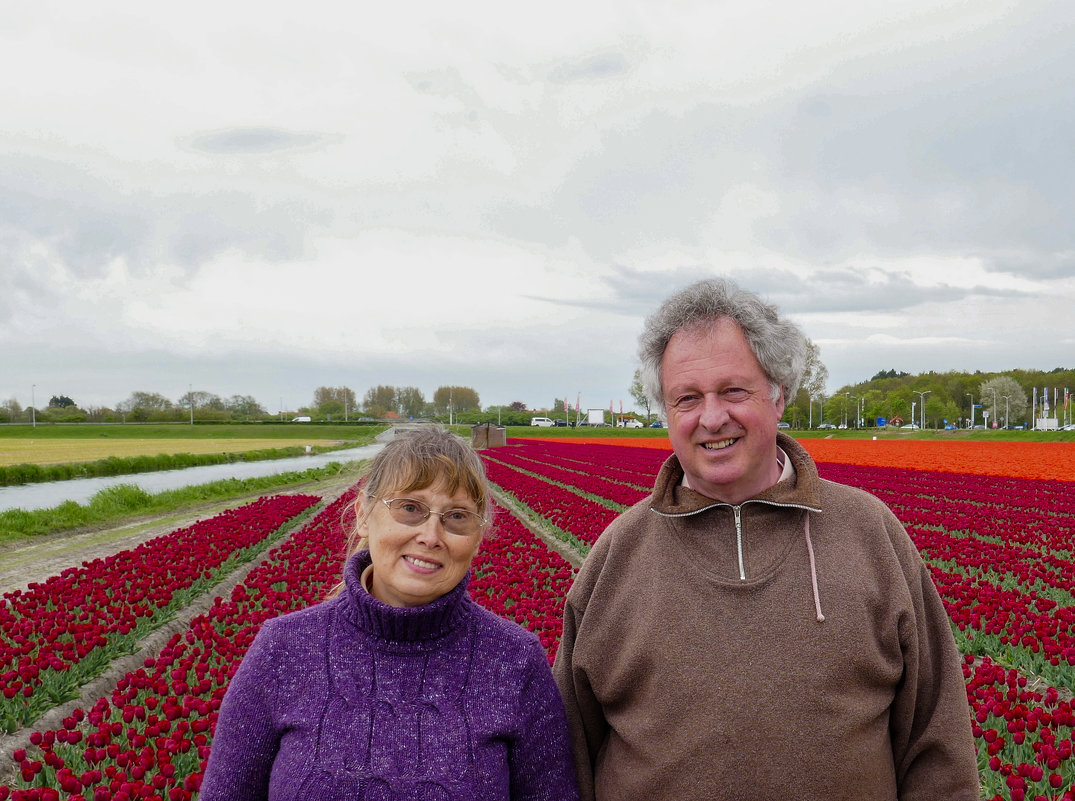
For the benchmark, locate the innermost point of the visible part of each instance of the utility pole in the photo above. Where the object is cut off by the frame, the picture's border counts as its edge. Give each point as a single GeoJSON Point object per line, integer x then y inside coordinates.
{"type": "Point", "coordinates": [922, 396]}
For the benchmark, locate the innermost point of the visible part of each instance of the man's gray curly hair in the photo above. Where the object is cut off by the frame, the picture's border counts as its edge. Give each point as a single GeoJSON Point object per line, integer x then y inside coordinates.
{"type": "Point", "coordinates": [778, 344]}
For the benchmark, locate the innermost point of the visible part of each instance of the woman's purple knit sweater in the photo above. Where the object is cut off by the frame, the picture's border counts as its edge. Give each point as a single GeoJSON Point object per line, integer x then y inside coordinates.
{"type": "Point", "coordinates": [355, 699]}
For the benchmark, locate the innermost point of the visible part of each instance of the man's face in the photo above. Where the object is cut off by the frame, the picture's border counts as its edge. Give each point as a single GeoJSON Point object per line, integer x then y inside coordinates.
{"type": "Point", "coordinates": [721, 416]}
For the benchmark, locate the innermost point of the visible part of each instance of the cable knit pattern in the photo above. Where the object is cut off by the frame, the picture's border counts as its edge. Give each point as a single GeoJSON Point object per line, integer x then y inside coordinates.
{"type": "Point", "coordinates": [355, 699]}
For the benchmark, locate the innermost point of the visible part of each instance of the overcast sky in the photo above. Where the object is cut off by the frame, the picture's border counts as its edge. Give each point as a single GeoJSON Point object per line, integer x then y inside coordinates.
{"type": "Point", "coordinates": [262, 198]}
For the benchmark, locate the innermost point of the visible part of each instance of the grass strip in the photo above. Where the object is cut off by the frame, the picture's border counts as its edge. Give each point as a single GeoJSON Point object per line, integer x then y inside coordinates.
{"type": "Point", "coordinates": [124, 501]}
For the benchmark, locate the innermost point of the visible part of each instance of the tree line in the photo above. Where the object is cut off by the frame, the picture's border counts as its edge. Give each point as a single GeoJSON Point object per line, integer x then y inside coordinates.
{"type": "Point", "coordinates": [954, 398]}
{"type": "Point", "coordinates": [937, 399]}
{"type": "Point", "coordinates": [331, 404]}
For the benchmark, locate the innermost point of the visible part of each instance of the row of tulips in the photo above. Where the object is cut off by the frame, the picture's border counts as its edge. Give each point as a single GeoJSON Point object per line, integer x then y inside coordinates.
{"type": "Point", "coordinates": [567, 515]}
{"type": "Point", "coordinates": [150, 738]}
{"type": "Point", "coordinates": [57, 635]}
{"type": "Point", "coordinates": [518, 577]}
{"type": "Point", "coordinates": [1000, 549]}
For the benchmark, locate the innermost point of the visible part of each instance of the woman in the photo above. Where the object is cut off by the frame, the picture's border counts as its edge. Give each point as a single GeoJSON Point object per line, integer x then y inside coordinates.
{"type": "Point", "coordinates": [399, 686]}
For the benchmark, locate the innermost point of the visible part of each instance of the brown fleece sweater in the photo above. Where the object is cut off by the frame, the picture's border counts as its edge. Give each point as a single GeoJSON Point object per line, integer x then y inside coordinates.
{"type": "Point", "coordinates": [685, 681]}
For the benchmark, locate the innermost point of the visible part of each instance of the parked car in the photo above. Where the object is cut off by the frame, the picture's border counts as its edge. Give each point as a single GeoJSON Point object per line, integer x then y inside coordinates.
{"type": "Point", "coordinates": [300, 419]}
{"type": "Point", "coordinates": [560, 423]}
{"type": "Point", "coordinates": [827, 425]}
{"type": "Point", "coordinates": [542, 422]}
{"type": "Point", "coordinates": [656, 424]}
{"type": "Point", "coordinates": [782, 424]}
{"type": "Point", "coordinates": [630, 423]}
{"type": "Point", "coordinates": [912, 426]}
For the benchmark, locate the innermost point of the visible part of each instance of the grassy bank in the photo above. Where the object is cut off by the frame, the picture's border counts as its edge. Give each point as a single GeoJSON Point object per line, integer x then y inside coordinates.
{"type": "Point", "coordinates": [125, 501]}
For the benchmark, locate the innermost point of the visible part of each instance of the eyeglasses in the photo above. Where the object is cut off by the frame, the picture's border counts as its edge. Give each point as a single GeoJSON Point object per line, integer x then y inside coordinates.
{"type": "Point", "coordinates": [410, 512]}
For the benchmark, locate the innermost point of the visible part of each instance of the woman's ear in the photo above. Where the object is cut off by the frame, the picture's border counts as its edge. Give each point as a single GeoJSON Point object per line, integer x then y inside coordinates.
{"type": "Point", "coordinates": [362, 514]}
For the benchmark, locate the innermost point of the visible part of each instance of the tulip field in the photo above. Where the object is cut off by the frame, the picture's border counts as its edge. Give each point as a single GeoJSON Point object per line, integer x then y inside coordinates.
{"type": "Point", "coordinates": [1000, 547]}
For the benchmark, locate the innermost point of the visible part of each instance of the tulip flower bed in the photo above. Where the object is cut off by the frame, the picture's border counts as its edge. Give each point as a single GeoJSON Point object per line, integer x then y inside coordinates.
{"type": "Point", "coordinates": [518, 577]}
{"type": "Point", "coordinates": [57, 635]}
{"type": "Point", "coordinates": [567, 515]}
{"type": "Point", "coordinates": [150, 738]}
{"type": "Point", "coordinates": [1034, 460]}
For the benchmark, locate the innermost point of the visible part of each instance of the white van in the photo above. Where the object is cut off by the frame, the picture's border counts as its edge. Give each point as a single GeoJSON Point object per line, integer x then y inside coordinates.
{"type": "Point", "coordinates": [543, 422]}
{"type": "Point", "coordinates": [303, 419]}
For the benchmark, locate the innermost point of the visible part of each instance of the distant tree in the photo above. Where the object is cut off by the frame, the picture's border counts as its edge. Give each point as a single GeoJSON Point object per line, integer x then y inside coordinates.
{"type": "Point", "coordinates": [334, 400]}
{"type": "Point", "coordinates": [638, 393]}
{"type": "Point", "coordinates": [517, 406]}
{"type": "Point", "coordinates": [1009, 397]}
{"type": "Point", "coordinates": [816, 375]}
{"type": "Point", "coordinates": [890, 374]}
{"type": "Point", "coordinates": [245, 407]}
{"type": "Point", "coordinates": [201, 400]}
{"type": "Point", "coordinates": [146, 400]}
{"type": "Point", "coordinates": [379, 400]}
{"type": "Point", "coordinates": [60, 402]}
{"type": "Point", "coordinates": [13, 408]}
{"type": "Point", "coordinates": [410, 401]}
{"type": "Point", "coordinates": [461, 399]}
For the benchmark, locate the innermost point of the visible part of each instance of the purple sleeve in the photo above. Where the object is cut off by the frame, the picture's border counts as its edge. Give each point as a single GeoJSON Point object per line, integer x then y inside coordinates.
{"type": "Point", "coordinates": [542, 766]}
{"type": "Point", "coordinates": [246, 739]}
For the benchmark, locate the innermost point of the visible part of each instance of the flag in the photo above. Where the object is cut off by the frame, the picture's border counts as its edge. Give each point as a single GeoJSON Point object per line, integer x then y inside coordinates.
{"type": "Point", "coordinates": [1045, 401]}
{"type": "Point", "coordinates": [610, 408]}
{"type": "Point", "coordinates": [565, 403]}
{"type": "Point", "coordinates": [578, 403]}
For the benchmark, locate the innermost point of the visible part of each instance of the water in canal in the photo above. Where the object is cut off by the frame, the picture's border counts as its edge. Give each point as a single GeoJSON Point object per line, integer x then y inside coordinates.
{"type": "Point", "coordinates": [52, 493]}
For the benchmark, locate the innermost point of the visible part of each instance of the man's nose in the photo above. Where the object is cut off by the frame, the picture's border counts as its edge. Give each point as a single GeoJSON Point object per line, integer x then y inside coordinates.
{"type": "Point", "coordinates": [714, 412]}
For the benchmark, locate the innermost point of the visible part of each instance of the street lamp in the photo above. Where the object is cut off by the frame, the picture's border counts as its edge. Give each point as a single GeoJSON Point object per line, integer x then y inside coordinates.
{"type": "Point", "coordinates": [33, 403]}
{"type": "Point", "coordinates": [991, 389]}
{"type": "Point", "coordinates": [922, 396]}
{"type": "Point", "coordinates": [971, 408]}
{"type": "Point", "coordinates": [847, 397]}
{"type": "Point", "coordinates": [1007, 408]}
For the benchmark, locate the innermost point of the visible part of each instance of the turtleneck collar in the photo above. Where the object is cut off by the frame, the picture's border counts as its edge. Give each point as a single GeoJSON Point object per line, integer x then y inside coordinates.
{"type": "Point", "coordinates": [427, 622]}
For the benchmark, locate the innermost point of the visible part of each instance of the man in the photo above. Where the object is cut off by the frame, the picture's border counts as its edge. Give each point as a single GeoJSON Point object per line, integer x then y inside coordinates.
{"type": "Point", "coordinates": [751, 631]}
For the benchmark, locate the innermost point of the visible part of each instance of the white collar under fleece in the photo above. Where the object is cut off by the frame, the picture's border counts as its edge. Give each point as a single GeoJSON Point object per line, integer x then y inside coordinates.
{"type": "Point", "coordinates": [787, 470]}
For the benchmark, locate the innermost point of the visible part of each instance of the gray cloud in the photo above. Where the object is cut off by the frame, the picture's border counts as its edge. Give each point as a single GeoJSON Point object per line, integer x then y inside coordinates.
{"type": "Point", "coordinates": [87, 220]}
{"type": "Point", "coordinates": [241, 141]}
{"type": "Point", "coordinates": [598, 66]}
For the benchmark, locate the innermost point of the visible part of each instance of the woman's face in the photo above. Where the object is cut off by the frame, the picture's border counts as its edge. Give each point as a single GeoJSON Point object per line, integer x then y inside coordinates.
{"type": "Point", "coordinates": [416, 564]}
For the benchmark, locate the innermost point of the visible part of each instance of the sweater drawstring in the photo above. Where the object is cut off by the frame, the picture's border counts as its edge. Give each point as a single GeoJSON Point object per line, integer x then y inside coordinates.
{"type": "Point", "coordinates": [813, 571]}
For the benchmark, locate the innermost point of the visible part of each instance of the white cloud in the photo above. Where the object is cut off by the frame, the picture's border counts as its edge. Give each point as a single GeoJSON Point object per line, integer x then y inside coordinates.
{"type": "Point", "coordinates": [423, 192]}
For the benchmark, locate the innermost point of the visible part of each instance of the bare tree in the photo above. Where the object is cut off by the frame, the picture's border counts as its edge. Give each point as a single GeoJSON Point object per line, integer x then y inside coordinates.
{"type": "Point", "coordinates": [1004, 398]}
{"type": "Point", "coordinates": [638, 393]}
